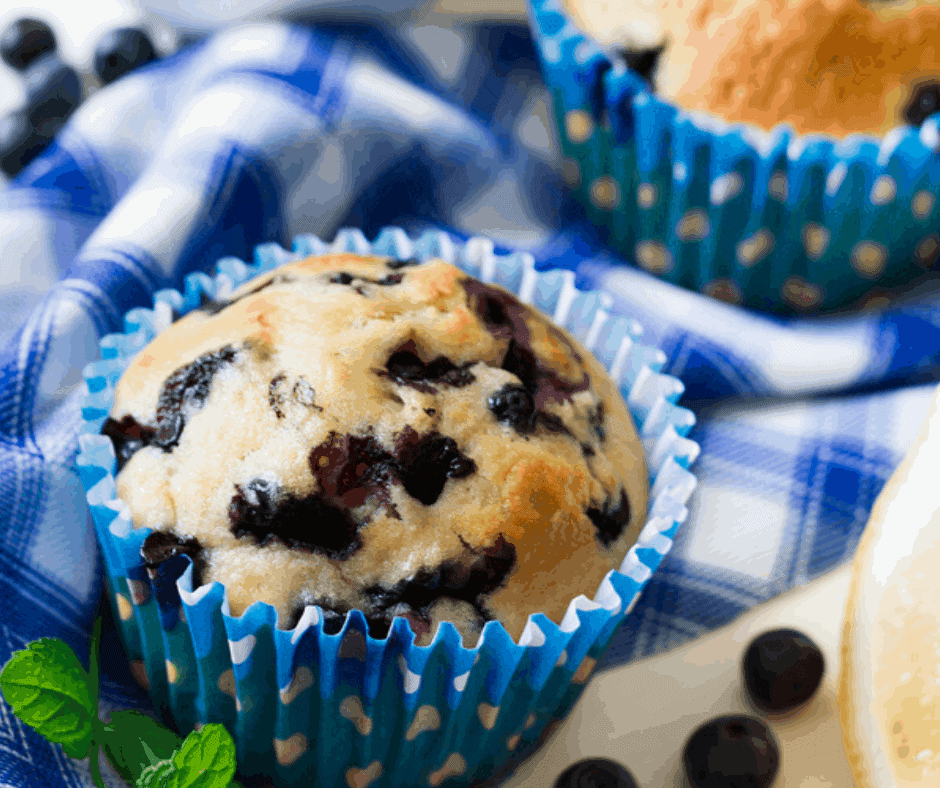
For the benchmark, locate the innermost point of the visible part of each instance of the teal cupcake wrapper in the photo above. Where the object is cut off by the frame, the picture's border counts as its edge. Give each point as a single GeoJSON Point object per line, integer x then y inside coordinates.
{"type": "Point", "coordinates": [775, 221]}
{"type": "Point", "coordinates": [307, 708]}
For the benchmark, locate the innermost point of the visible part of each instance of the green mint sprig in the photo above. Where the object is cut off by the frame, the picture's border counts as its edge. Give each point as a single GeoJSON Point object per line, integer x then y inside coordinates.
{"type": "Point", "coordinates": [50, 691]}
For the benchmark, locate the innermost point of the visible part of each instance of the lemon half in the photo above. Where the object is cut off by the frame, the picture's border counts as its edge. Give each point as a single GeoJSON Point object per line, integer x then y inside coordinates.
{"type": "Point", "coordinates": [889, 694]}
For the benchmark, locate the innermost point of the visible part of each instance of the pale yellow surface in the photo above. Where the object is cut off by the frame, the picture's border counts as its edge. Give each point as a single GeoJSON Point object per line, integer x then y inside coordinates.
{"type": "Point", "coordinates": [891, 684]}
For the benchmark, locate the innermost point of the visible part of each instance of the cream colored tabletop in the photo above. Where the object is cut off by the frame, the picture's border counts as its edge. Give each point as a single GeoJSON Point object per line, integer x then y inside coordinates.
{"type": "Point", "coordinates": [641, 714]}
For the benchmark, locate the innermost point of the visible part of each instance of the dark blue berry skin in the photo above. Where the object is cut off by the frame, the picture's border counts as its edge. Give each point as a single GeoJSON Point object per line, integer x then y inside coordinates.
{"type": "Point", "coordinates": [513, 405]}
{"type": "Point", "coordinates": [24, 41]}
{"type": "Point", "coordinates": [14, 134]}
{"type": "Point", "coordinates": [643, 62]}
{"type": "Point", "coordinates": [782, 670]}
{"type": "Point", "coordinates": [160, 546]}
{"type": "Point", "coordinates": [189, 38]}
{"type": "Point", "coordinates": [395, 265]}
{"type": "Point", "coordinates": [54, 92]}
{"type": "Point", "coordinates": [120, 52]}
{"type": "Point", "coordinates": [924, 102]}
{"type": "Point", "coordinates": [731, 752]}
{"type": "Point", "coordinates": [595, 773]}
{"type": "Point", "coordinates": [15, 158]}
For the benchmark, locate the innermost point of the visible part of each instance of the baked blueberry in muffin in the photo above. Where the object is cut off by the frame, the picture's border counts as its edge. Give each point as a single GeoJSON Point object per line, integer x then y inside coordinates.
{"type": "Point", "coordinates": [395, 437]}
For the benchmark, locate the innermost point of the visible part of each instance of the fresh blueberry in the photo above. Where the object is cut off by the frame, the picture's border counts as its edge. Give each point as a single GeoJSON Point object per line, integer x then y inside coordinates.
{"type": "Point", "coordinates": [122, 51]}
{"type": "Point", "coordinates": [595, 773]}
{"type": "Point", "coordinates": [24, 41]}
{"type": "Point", "coordinates": [54, 91]}
{"type": "Point", "coordinates": [188, 38]}
{"type": "Point", "coordinates": [19, 144]}
{"type": "Point", "coordinates": [782, 670]}
{"type": "Point", "coordinates": [731, 752]}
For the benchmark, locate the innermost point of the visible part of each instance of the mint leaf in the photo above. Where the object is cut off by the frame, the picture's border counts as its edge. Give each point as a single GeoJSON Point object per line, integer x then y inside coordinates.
{"type": "Point", "coordinates": [132, 742]}
{"type": "Point", "coordinates": [48, 689]}
{"type": "Point", "coordinates": [156, 775]}
{"type": "Point", "coordinates": [206, 759]}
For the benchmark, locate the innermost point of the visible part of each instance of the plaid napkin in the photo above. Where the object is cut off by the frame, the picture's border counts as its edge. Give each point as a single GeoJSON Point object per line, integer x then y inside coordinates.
{"type": "Point", "coordinates": [264, 132]}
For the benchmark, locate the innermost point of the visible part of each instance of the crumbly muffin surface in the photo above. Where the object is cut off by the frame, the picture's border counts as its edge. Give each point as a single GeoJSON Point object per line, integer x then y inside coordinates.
{"type": "Point", "coordinates": [400, 438]}
{"type": "Point", "coordinates": [831, 66]}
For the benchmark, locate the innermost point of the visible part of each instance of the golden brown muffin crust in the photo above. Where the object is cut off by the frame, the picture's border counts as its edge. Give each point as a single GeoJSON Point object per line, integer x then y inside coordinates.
{"type": "Point", "coordinates": [831, 66]}
{"type": "Point", "coordinates": [339, 432]}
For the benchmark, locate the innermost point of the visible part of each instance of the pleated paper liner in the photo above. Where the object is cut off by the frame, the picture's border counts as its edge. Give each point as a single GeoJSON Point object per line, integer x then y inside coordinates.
{"type": "Point", "coordinates": [312, 709]}
{"type": "Point", "coordinates": [776, 221]}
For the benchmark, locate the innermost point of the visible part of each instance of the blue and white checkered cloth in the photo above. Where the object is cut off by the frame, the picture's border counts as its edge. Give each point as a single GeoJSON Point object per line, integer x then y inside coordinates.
{"type": "Point", "coordinates": [265, 132]}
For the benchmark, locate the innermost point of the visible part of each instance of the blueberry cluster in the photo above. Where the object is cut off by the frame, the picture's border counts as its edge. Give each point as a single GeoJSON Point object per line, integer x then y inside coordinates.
{"type": "Point", "coordinates": [468, 577]}
{"type": "Point", "coordinates": [54, 90]}
{"type": "Point", "coordinates": [782, 670]}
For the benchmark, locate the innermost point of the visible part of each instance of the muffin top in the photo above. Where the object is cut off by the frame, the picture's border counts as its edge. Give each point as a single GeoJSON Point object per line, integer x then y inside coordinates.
{"type": "Point", "coordinates": [357, 432]}
{"type": "Point", "coordinates": [831, 66]}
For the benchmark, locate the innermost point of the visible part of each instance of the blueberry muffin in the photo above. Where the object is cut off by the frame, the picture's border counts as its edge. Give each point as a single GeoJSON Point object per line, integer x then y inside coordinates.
{"type": "Point", "coordinates": [399, 438]}
{"type": "Point", "coordinates": [832, 66]}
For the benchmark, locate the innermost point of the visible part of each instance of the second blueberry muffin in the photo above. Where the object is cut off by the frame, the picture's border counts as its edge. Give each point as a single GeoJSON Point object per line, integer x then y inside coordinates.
{"type": "Point", "coordinates": [824, 66]}
{"type": "Point", "coordinates": [354, 432]}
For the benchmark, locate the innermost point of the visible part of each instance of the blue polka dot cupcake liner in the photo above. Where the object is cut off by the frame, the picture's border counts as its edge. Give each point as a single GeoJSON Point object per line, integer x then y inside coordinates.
{"type": "Point", "coordinates": [771, 220]}
{"type": "Point", "coordinates": [313, 709]}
